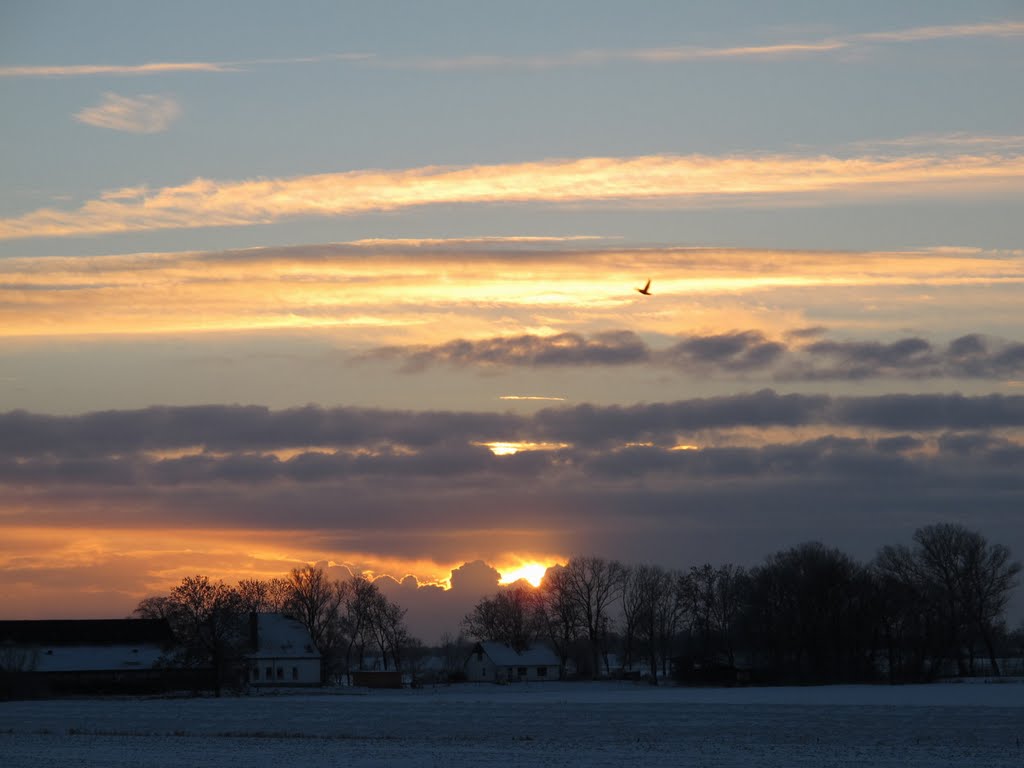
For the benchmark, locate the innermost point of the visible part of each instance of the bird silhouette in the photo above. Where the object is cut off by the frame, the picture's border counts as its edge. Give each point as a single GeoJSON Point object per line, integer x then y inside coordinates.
{"type": "Point", "coordinates": [646, 290]}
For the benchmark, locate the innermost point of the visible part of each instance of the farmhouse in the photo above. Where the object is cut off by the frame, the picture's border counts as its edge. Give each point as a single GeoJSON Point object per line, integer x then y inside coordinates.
{"type": "Point", "coordinates": [500, 663]}
{"type": "Point", "coordinates": [283, 652]}
{"type": "Point", "coordinates": [63, 656]}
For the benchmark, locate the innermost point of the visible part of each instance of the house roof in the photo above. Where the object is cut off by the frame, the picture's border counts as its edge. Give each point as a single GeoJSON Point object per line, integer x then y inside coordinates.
{"type": "Point", "coordinates": [281, 636]}
{"type": "Point", "coordinates": [506, 656]}
{"type": "Point", "coordinates": [94, 632]}
{"type": "Point", "coordinates": [95, 658]}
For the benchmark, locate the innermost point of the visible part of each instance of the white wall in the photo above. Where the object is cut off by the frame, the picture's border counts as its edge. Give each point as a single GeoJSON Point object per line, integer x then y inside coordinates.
{"type": "Point", "coordinates": [284, 671]}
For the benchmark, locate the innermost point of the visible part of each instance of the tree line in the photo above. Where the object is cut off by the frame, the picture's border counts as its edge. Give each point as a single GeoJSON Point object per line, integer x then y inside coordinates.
{"type": "Point", "coordinates": [809, 613]}
{"type": "Point", "coordinates": [806, 614]}
{"type": "Point", "coordinates": [347, 620]}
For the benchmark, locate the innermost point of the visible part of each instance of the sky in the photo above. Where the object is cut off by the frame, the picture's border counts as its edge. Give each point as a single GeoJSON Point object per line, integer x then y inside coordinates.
{"type": "Point", "coordinates": [355, 284]}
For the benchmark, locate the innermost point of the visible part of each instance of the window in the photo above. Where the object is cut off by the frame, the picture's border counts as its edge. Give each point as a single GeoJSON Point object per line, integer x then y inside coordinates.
{"type": "Point", "coordinates": [270, 673]}
{"type": "Point", "coordinates": [280, 673]}
{"type": "Point", "coordinates": [522, 671]}
{"type": "Point", "coordinates": [295, 673]}
{"type": "Point", "coordinates": [255, 673]}
{"type": "Point", "coordinates": [542, 671]}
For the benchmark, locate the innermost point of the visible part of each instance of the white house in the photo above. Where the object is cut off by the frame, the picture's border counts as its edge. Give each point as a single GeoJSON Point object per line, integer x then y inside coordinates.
{"type": "Point", "coordinates": [284, 654]}
{"type": "Point", "coordinates": [500, 663]}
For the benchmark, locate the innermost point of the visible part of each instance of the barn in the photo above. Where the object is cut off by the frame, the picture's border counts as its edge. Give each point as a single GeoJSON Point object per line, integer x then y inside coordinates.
{"type": "Point", "coordinates": [77, 656]}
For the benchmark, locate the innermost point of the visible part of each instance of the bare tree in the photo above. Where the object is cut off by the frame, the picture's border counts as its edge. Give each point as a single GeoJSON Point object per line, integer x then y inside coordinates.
{"type": "Point", "coordinates": [388, 622]}
{"type": "Point", "coordinates": [316, 602]}
{"type": "Point", "coordinates": [965, 581]}
{"type": "Point", "coordinates": [210, 618]}
{"type": "Point", "coordinates": [265, 595]}
{"type": "Point", "coordinates": [359, 597]}
{"type": "Point", "coordinates": [807, 606]}
{"type": "Point", "coordinates": [594, 584]}
{"type": "Point", "coordinates": [559, 614]}
{"type": "Point", "coordinates": [992, 576]}
{"type": "Point", "coordinates": [633, 605]}
{"type": "Point", "coordinates": [158, 607]}
{"type": "Point", "coordinates": [511, 616]}
{"type": "Point", "coordinates": [454, 651]}
{"type": "Point", "coordinates": [370, 620]}
{"type": "Point", "coordinates": [669, 615]}
{"type": "Point", "coordinates": [651, 607]}
{"type": "Point", "coordinates": [715, 598]}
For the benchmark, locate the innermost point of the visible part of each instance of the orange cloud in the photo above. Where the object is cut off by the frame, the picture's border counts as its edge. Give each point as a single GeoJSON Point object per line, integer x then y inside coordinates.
{"type": "Point", "coordinates": [413, 293]}
{"type": "Point", "coordinates": [94, 572]}
{"type": "Point", "coordinates": [683, 179]}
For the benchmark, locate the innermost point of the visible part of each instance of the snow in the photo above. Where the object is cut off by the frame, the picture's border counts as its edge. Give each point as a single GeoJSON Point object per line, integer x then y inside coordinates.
{"type": "Point", "coordinates": [561, 724]}
{"type": "Point", "coordinates": [505, 656]}
{"type": "Point", "coordinates": [96, 658]}
{"type": "Point", "coordinates": [283, 637]}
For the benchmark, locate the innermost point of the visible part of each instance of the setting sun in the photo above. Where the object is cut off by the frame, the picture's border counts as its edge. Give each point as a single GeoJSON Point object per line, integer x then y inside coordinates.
{"type": "Point", "coordinates": [531, 572]}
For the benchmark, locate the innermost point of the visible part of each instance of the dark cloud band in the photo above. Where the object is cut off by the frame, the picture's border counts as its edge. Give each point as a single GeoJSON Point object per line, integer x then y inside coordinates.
{"type": "Point", "coordinates": [972, 356]}
{"type": "Point", "coordinates": [244, 429]}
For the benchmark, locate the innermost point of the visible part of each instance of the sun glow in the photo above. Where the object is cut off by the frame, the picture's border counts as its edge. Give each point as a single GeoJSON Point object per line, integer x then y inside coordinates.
{"type": "Point", "coordinates": [510, 449]}
{"type": "Point", "coordinates": [530, 572]}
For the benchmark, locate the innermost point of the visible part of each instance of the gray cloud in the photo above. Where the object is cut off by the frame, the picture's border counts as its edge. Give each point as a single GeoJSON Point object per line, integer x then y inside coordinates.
{"type": "Point", "coordinates": [612, 348]}
{"type": "Point", "coordinates": [804, 356]}
{"type": "Point", "coordinates": [443, 472]}
{"type": "Point", "coordinates": [423, 442]}
{"type": "Point", "coordinates": [237, 428]}
{"type": "Point", "coordinates": [729, 352]}
{"type": "Point", "coordinates": [642, 502]}
{"type": "Point", "coordinates": [862, 360]}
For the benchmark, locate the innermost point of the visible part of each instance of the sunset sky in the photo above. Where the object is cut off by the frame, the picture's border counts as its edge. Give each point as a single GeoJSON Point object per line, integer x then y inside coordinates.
{"type": "Point", "coordinates": [354, 283]}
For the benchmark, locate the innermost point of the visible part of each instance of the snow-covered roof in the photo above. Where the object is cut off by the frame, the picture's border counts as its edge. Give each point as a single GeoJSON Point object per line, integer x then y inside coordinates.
{"type": "Point", "coordinates": [506, 656]}
{"type": "Point", "coordinates": [94, 658]}
{"type": "Point", "coordinates": [282, 636]}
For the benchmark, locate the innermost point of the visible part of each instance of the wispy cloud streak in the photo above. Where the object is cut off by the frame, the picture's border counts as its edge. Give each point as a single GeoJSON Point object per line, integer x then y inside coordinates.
{"type": "Point", "coordinates": [663, 55]}
{"type": "Point", "coordinates": [689, 179]}
{"type": "Point", "coordinates": [666, 54]}
{"type": "Point", "coordinates": [85, 70]}
{"type": "Point", "coordinates": [996, 29]}
{"type": "Point", "coordinates": [165, 67]}
{"type": "Point", "coordinates": [146, 113]}
{"type": "Point", "coordinates": [688, 53]}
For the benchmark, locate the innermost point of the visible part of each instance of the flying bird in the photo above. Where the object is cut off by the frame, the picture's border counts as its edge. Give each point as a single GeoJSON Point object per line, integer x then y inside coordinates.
{"type": "Point", "coordinates": [646, 290]}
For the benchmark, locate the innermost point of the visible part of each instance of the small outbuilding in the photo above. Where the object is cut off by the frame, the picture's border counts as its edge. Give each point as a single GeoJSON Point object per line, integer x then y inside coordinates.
{"type": "Point", "coordinates": [283, 653]}
{"type": "Point", "coordinates": [494, 662]}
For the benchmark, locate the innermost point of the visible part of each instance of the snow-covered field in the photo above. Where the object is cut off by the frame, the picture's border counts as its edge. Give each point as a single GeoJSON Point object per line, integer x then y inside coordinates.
{"type": "Point", "coordinates": [545, 724]}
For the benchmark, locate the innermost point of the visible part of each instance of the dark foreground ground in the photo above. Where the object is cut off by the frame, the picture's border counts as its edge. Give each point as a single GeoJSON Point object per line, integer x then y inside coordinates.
{"type": "Point", "coordinates": [547, 724]}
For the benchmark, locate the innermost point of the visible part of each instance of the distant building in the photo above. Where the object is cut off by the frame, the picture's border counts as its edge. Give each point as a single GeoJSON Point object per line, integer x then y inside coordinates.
{"type": "Point", "coordinates": [283, 653]}
{"type": "Point", "coordinates": [65, 656]}
{"type": "Point", "coordinates": [500, 663]}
